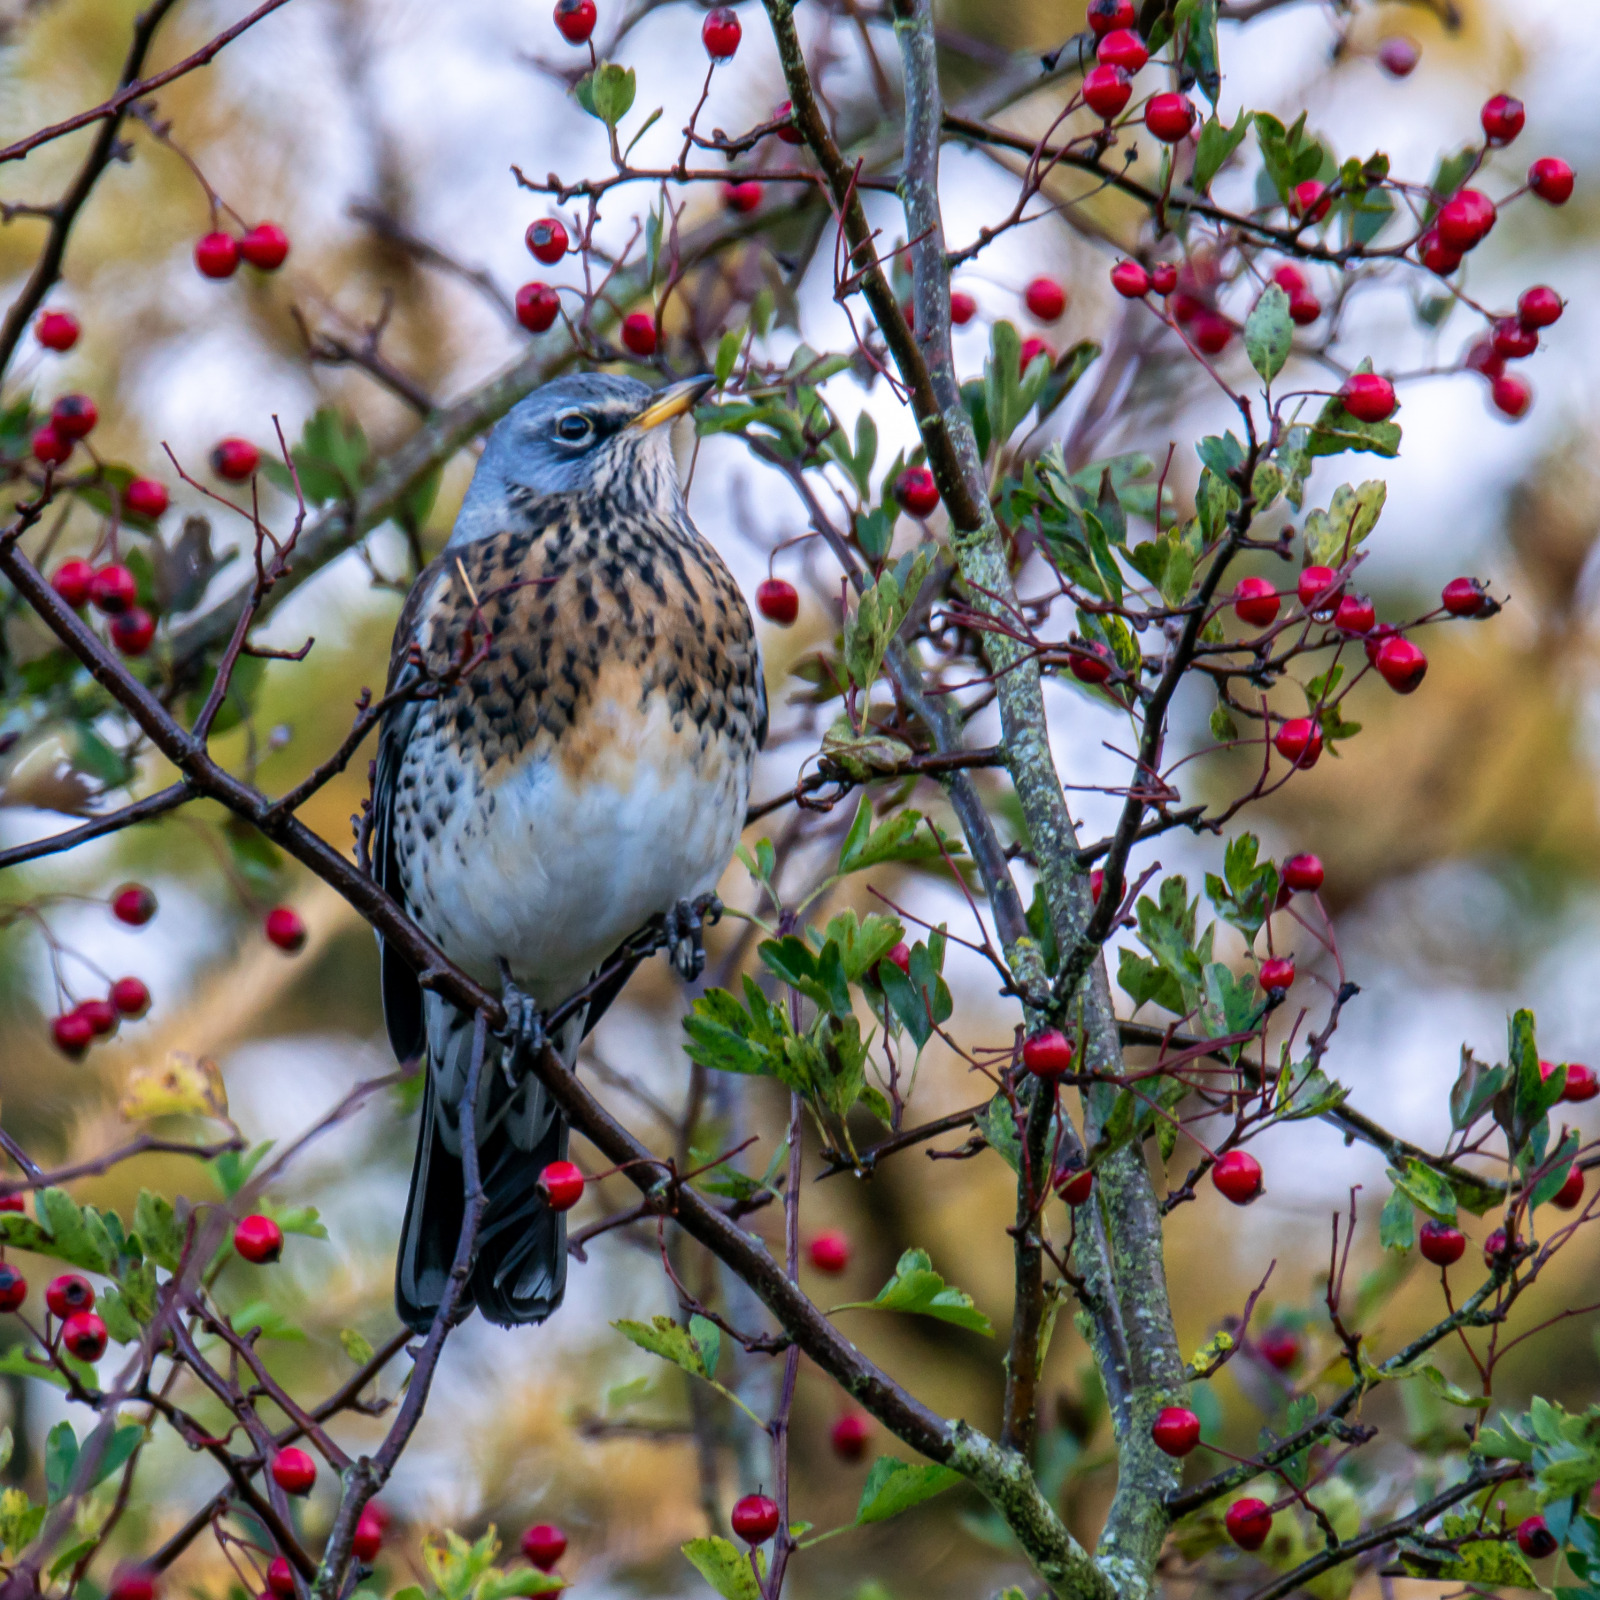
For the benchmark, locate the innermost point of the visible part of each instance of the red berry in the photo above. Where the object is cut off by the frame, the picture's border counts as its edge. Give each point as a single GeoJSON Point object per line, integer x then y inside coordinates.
{"type": "Point", "coordinates": [145, 497]}
{"type": "Point", "coordinates": [1398, 55]}
{"type": "Point", "coordinates": [83, 1335]}
{"type": "Point", "coordinates": [1277, 972]}
{"type": "Point", "coordinates": [778, 601]}
{"type": "Point", "coordinates": [280, 1578]}
{"type": "Point", "coordinates": [294, 1471]}
{"type": "Point", "coordinates": [265, 246]}
{"type": "Point", "coordinates": [67, 1294]}
{"type": "Point", "coordinates": [1512, 339]}
{"type": "Point", "coordinates": [1375, 641]}
{"type": "Point", "coordinates": [538, 306]}
{"type": "Point", "coordinates": [1566, 1198]}
{"type": "Point", "coordinates": [742, 197]}
{"type": "Point", "coordinates": [1304, 308]}
{"type": "Point", "coordinates": [1106, 90]}
{"type": "Point", "coordinates": [1289, 278]}
{"type": "Point", "coordinates": [720, 33]}
{"type": "Point", "coordinates": [1440, 1243]}
{"type": "Point", "coordinates": [133, 904]}
{"type": "Point", "coordinates": [1465, 597]}
{"type": "Point", "coordinates": [1163, 277]}
{"type": "Point", "coordinates": [917, 492]}
{"type": "Point", "coordinates": [1368, 397]}
{"type": "Point", "coordinates": [1212, 331]}
{"type": "Point", "coordinates": [576, 20]}
{"type": "Point", "coordinates": [1502, 118]}
{"type": "Point", "coordinates": [101, 1016]}
{"type": "Point", "coordinates": [1495, 1247]}
{"type": "Point", "coordinates": [1130, 280]}
{"type": "Point", "coordinates": [1437, 256]}
{"type": "Point", "coordinates": [1255, 601]}
{"type": "Point", "coordinates": [963, 308]}
{"type": "Point", "coordinates": [133, 1583]}
{"type": "Point", "coordinates": [367, 1540]}
{"type": "Point", "coordinates": [1169, 117]}
{"type": "Point", "coordinates": [1401, 664]}
{"type": "Point", "coordinates": [1539, 306]}
{"type": "Point", "coordinates": [72, 1033]}
{"type": "Point", "coordinates": [1582, 1084]}
{"type": "Point", "coordinates": [1465, 219]}
{"type": "Point", "coordinates": [258, 1239]}
{"type": "Point", "coordinates": [830, 1251]}
{"type": "Point", "coordinates": [13, 1287]}
{"type": "Point", "coordinates": [73, 416]}
{"type": "Point", "coordinates": [1124, 48]}
{"type": "Point", "coordinates": [1105, 16]}
{"type": "Point", "coordinates": [72, 581]}
{"type": "Point", "coordinates": [235, 459]}
{"type": "Point", "coordinates": [1355, 614]}
{"type": "Point", "coordinates": [1303, 873]}
{"type": "Point", "coordinates": [1511, 395]}
{"type": "Point", "coordinates": [900, 957]}
{"type": "Point", "coordinates": [1090, 663]}
{"type": "Point", "coordinates": [1551, 179]}
{"type": "Point", "coordinates": [849, 1436]}
{"type": "Point", "coordinates": [1481, 358]}
{"type": "Point", "coordinates": [1097, 883]}
{"type": "Point", "coordinates": [56, 330]}
{"type": "Point", "coordinates": [133, 631]}
{"type": "Point", "coordinates": [639, 333]}
{"type": "Point", "coordinates": [789, 133]}
{"type": "Point", "coordinates": [50, 448]}
{"type": "Point", "coordinates": [1075, 1185]}
{"type": "Point", "coordinates": [547, 239]}
{"type": "Point", "coordinates": [754, 1518]}
{"type": "Point", "coordinates": [1031, 350]}
{"type": "Point", "coordinates": [1045, 299]}
{"type": "Point", "coordinates": [561, 1184]}
{"type": "Point", "coordinates": [1248, 1522]}
{"type": "Point", "coordinates": [217, 255]}
{"type": "Point", "coordinates": [1318, 589]}
{"type": "Point", "coordinates": [285, 929]}
{"type": "Point", "coordinates": [1176, 1430]}
{"type": "Point", "coordinates": [1237, 1177]}
{"type": "Point", "coordinates": [1279, 1348]}
{"type": "Point", "coordinates": [1310, 201]}
{"type": "Point", "coordinates": [112, 589]}
{"type": "Point", "coordinates": [544, 1544]}
{"type": "Point", "coordinates": [1047, 1054]}
{"type": "Point", "coordinates": [130, 996]}
{"type": "Point", "coordinates": [1535, 1539]}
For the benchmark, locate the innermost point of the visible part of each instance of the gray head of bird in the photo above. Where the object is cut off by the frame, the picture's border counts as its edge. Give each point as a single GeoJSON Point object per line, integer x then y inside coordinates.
{"type": "Point", "coordinates": [589, 434]}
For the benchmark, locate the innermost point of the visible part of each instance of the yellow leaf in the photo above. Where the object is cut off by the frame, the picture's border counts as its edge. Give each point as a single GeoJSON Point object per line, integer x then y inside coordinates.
{"type": "Point", "coordinates": [184, 1086]}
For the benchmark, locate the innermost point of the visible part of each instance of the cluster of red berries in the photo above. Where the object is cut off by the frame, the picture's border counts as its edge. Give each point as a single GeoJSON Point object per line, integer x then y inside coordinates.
{"type": "Point", "coordinates": [69, 1299]}
{"type": "Point", "coordinates": [1512, 338]}
{"type": "Point", "coordinates": [218, 254]}
{"type": "Point", "coordinates": [111, 589]}
{"type": "Point", "coordinates": [75, 1030]}
{"type": "Point", "coordinates": [72, 418]}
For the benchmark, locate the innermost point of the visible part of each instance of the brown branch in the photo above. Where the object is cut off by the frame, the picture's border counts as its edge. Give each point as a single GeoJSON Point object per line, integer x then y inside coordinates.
{"type": "Point", "coordinates": [153, 805]}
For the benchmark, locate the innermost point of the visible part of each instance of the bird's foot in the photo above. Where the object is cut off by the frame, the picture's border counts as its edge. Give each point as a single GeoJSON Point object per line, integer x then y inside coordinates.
{"type": "Point", "coordinates": [525, 1035]}
{"type": "Point", "coordinates": [684, 927]}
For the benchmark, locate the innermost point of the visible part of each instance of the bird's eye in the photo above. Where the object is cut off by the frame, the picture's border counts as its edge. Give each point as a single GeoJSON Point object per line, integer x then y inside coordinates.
{"type": "Point", "coordinates": [574, 427]}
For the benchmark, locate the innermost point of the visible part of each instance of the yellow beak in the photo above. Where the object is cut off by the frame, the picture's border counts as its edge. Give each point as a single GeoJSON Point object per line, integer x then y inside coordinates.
{"type": "Point", "coordinates": [674, 400]}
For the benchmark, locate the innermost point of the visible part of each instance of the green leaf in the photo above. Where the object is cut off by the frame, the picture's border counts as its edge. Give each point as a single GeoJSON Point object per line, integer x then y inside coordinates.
{"type": "Point", "coordinates": [1269, 333]}
{"type": "Point", "coordinates": [1429, 1189]}
{"type": "Point", "coordinates": [1332, 535]}
{"type": "Point", "coordinates": [607, 92]}
{"type": "Point", "coordinates": [1336, 431]}
{"type": "Point", "coordinates": [670, 1340]}
{"type": "Point", "coordinates": [917, 1288]}
{"type": "Point", "coordinates": [999, 1129]}
{"type": "Point", "coordinates": [16, 1362]}
{"type": "Point", "coordinates": [356, 1346]}
{"type": "Point", "coordinates": [901, 837]}
{"type": "Point", "coordinates": [1453, 1394]}
{"type": "Point", "coordinates": [728, 354]}
{"type": "Point", "coordinates": [77, 1234]}
{"type": "Point", "coordinates": [272, 1322]}
{"type": "Point", "coordinates": [232, 1168]}
{"type": "Point", "coordinates": [119, 1320]}
{"type": "Point", "coordinates": [1475, 1087]}
{"type": "Point", "coordinates": [20, 1520]}
{"type": "Point", "coordinates": [159, 1230]}
{"type": "Point", "coordinates": [894, 1486]}
{"type": "Point", "coordinates": [519, 1582]}
{"type": "Point", "coordinates": [707, 1338]}
{"type": "Point", "coordinates": [1397, 1222]}
{"type": "Point", "coordinates": [725, 1567]}
{"type": "Point", "coordinates": [60, 1457]}
{"type": "Point", "coordinates": [1216, 143]}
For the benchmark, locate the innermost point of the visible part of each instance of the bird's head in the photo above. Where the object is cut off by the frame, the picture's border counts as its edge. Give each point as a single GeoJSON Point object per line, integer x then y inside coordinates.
{"type": "Point", "coordinates": [593, 433]}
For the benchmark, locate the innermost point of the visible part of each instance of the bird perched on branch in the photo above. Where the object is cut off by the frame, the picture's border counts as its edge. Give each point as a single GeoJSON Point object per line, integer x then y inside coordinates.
{"type": "Point", "coordinates": [573, 763]}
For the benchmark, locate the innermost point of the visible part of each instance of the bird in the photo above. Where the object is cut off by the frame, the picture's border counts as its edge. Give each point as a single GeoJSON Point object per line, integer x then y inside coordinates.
{"type": "Point", "coordinates": [575, 703]}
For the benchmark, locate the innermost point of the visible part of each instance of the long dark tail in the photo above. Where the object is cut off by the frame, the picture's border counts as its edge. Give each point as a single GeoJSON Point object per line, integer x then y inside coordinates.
{"type": "Point", "coordinates": [520, 1270]}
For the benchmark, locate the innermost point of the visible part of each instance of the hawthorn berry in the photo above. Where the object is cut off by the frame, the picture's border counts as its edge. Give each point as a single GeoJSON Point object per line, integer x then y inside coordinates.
{"type": "Point", "coordinates": [1212, 331]}
{"type": "Point", "coordinates": [285, 928]}
{"type": "Point", "coordinates": [1045, 299]}
{"type": "Point", "coordinates": [849, 1436]}
{"type": "Point", "coordinates": [1277, 972]}
{"type": "Point", "coordinates": [1122, 47]}
{"type": "Point", "coordinates": [538, 306]}
{"type": "Point", "coordinates": [133, 1583]}
{"type": "Point", "coordinates": [1440, 1243]}
{"type": "Point", "coordinates": [294, 1471]}
{"type": "Point", "coordinates": [1106, 90]}
{"type": "Point", "coordinates": [1304, 873]}
{"type": "Point", "coordinates": [1031, 350]}
{"type": "Point", "coordinates": [1511, 395]}
{"type": "Point", "coordinates": [1465, 597]}
{"type": "Point", "coordinates": [1355, 614]}
{"type": "Point", "coordinates": [1512, 339]}
{"type": "Point", "coordinates": [789, 132]}
{"type": "Point", "coordinates": [754, 1518]}
{"type": "Point", "coordinates": [1436, 255]}
{"type": "Point", "coordinates": [133, 904]}
{"type": "Point", "coordinates": [265, 247]}
{"type": "Point", "coordinates": [1097, 883]}
{"type": "Point", "coordinates": [72, 581]}
{"type": "Point", "coordinates": [1582, 1084]}
{"type": "Point", "coordinates": [778, 601]}
{"type": "Point", "coordinates": [1318, 589]}
{"type": "Point", "coordinates": [1237, 1177]}
{"type": "Point", "coordinates": [56, 330]}
{"type": "Point", "coordinates": [1481, 358]}
{"type": "Point", "coordinates": [12, 1202]}
{"type": "Point", "coordinates": [1401, 664]}
{"type": "Point", "coordinates": [1535, 1539]}
{"type": "Point", "coordinates": [1398, 55]}
{"type": "Point", "coordinates": [73, 416]}
{"type": "Point", "coordinates": [1279, 1348]}
{"type": "Point", "coordinates": [217, 255]}
{"type": "Point", "coordinates": [1539, 306]}
{"type": "Point", "coordinates": [576, 20]}
{"type": "Point", "coordinates": [145, 497]}
{"type": "Point", "coordinates": [1502, 118]}
{"type": "Point", "coordinates": [830, 1251]}
{"type": "Point", "coordinates": [258, 1239]}
{"type": "Point", "coordinates": [131, 997]}
{"type": "Point", "coordinates": [1130, 280]}
{"type": "Point", "coordinates": [1551, 179]}
{"type": "Point", "coordinates": [101, 1016]}
{"type": "Point", "coordinates": [69, 1293]}
{"type": "Point", "coordinates": [1368, 397]}
{"type": "Point", "coordinates": [367, 1540]}
{"type": "Point", "coordinates": [235, 459]}
{"type": "Point", "coordinates": [1074, 1185]}
{"type": "Point", "coordinates": [50, 448]}
{"type": "Point", "coordinates": [900, 957]}
{"type": "Point", "coordinates": [1289, 278]}
{"type": "Point", "coordinates": [1495, 1247]}
{"type": "Point", "coordinates": [1304, 308]}
{"type": "Point", "coordinates": [1248, 1522]}
{"type": "Point", "coordinates": [1169, 117]}
{"type": "Point", "coordinates": [1106, 16]}
{"type": "Point", "coordinates": [280, 1578]}
{"type": "Point", "coordinates": [1163, 277]}
{"type": "Point", "coordinates": [963, 308]}
{"type": "Point", "coordinates": [1047, 1054]}
{"type": "Point", "coordinates": [547, 240]}
{"type": "Point", "coordinates": [13, 1287]}
{"type": "Point", "coordinates": [1176, 1430]}
{"type": "Point", "coordinates": [83, 1335]}
{"type": "Point", "coordinates": [742, 197]}
{"type": "Point", "coordinates": [720, 34]}
{"type": "Point", "coordinates": [639, 333]}
{"type": "Point", "coordinates": [544, 1544]}
{"type": "Point", "coordinates": [561, 1184]}
{"type": "Point", "coordinates": [1090, 663]}
{"type": "Point", "coordinates": [1465, 219]}
{"type": "Point", "coordinates": [1566, 1198]}
{"type": "Point", "coordinates": [1255, 601]}
{"type": "Point", "coordinates": [72, 1033]}
{"type": "Point", "coordinates": [1309, 200]}
{"type": "Point", "coordinates": [917, 492]}
{"type": "Point", "coordinates": [133, 631]}
{"type": "Point", "coordinates": [112, 589]}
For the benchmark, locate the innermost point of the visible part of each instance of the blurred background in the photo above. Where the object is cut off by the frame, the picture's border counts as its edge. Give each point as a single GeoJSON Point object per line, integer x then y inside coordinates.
{"type": "Point", "coordinates": [1460, 831]}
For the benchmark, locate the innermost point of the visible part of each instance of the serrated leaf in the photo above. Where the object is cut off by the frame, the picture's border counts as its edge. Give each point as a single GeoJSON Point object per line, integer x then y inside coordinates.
{"type": "Point", "coordinates": [707, 1337]}
{"type": "Point", "coordinates": [916, 1288]}
{"type": "Point", "coordinates": [894, 1486]}
{"type": "Point", "coordinates": [1429, 1189]}
{"type": "Point", "coordinates": [1397, 1222]}
{"type": "Point", "coordinates": [60, 1457]}
{"type": "Point", "coordinates": [159, 1230]}
{"type": "Point", "coordinates": [1215, 144]}
{"type": "Point", "coordinates": [670, 1340]}
{"type": "Point", "coordinates": [1452, 1393]}
{"type": "Point", "coordinates": [725, 1567]}
{"type": "Point", "coordinates": [1269, 333]}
